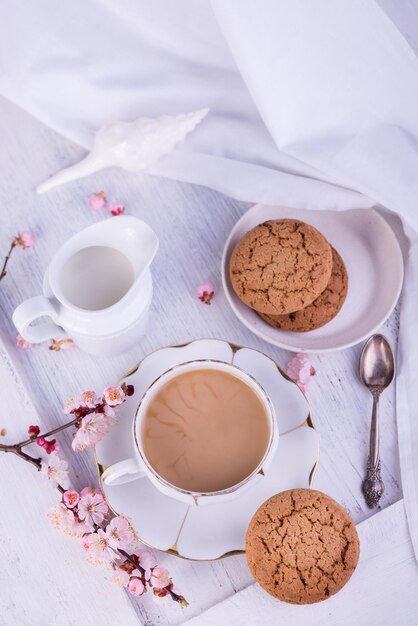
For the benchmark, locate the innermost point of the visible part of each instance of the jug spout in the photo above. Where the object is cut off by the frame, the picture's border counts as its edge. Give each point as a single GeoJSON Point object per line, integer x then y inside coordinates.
{"type": "Point", "coordinates": [137, 241]}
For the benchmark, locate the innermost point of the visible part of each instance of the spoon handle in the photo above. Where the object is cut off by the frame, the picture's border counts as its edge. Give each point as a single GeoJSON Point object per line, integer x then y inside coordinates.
{"type": "Point", "coordinates": [373, 486]}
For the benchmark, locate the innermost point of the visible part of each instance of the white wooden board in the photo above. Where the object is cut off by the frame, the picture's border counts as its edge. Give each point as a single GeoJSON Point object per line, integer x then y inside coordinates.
{"type": "Point", "coordinates": [192, 224]}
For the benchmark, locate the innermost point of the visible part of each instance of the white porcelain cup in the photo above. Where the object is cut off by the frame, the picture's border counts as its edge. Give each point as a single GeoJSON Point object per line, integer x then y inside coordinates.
{"type": "Point", "coordinates": [138, 467]}
{"type": "Point", "coordinates": [97, 289]}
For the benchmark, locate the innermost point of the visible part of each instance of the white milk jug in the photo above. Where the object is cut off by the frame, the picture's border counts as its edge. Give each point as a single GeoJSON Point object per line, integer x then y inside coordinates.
{"type": "Point", "coordinates": [97, 289]}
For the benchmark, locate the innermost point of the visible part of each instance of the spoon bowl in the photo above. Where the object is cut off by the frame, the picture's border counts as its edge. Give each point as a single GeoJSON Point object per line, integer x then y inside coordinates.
{"type": "Point", "coordinates": [377, 365]}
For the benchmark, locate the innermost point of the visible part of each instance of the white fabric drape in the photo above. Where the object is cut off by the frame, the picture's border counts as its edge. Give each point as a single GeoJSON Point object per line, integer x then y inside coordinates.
{"type": "Point", "coordinates": [313, 105]}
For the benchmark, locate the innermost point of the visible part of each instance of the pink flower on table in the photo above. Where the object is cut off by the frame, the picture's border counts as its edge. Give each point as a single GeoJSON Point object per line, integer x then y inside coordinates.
{"type": "Point", "coordinates": [160, 577]}
{"type": "Point", "coordinates": [22, 343]}
{"type": "Point", "coordinates": [116, 209]}
{"type": "Point", "coordinates": [114, 395]}
{"type": "Point", "coordinates": [33, 431]}
{"type": "Point", "coordinates": [92, 429]}
{"type": "Point", "coordinates": [24, 239]}
{"type": "Point", "coordinates": [205, 292]}
{"type": "Point", "coordinates": [120, 533]}
{"type": "Point", "coordinates": [56, 471]}
{"type": "Point", "coordinates": [89, 399]}
{"type": "Point", "coordinates": [120, 577]}
{"type": "Point", "coordinates": [97, 201]}
{"type": "Point", "coordinates": [136, 587]}
{"type": "Point", "coordinates": [92, 507]}
{"type": "Point", "coordinates": [98, 547]}
{"type": "Point", "coordinates": [300, 370]}
{"type": "Point", "coordinates": [71, 498]}
{"type": "Point", "coordinates": [61, 344]}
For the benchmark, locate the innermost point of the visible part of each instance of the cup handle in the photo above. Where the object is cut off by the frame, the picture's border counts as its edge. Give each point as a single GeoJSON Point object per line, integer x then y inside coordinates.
{"type": "Point", "coordinates": [29, 311]}
{"type": "Point", "coordinates": [122, 472]}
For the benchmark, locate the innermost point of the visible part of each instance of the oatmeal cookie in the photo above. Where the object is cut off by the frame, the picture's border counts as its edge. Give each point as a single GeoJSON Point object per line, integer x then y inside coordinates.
{"type": "Point", "coordinates": [281, 266]}
{"type": "Point", "coordinates": [302, 546]}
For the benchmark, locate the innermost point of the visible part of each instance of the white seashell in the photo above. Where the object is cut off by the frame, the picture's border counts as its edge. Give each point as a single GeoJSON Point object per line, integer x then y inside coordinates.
{"type": "Point", "coordinates": [133, 146]}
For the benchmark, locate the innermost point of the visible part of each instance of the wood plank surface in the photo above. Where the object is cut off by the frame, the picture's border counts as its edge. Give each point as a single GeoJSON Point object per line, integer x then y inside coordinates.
{"type": "Point", "coordinates": [192, 224]}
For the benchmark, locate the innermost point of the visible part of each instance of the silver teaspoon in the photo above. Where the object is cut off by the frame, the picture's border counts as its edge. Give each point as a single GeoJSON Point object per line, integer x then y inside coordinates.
{"type": "Point", "coordinates": [377, 369]}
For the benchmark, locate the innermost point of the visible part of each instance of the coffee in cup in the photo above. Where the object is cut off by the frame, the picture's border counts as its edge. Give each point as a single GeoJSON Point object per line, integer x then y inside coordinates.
{"type": "Point", "coordinates": [205, 430]}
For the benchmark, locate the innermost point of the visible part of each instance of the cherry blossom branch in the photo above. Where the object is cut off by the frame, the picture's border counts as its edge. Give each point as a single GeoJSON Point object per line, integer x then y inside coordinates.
{"type": "Point", "coordinates": [22, 240]}
{"type": "Point", "coordinates": [82, 514]}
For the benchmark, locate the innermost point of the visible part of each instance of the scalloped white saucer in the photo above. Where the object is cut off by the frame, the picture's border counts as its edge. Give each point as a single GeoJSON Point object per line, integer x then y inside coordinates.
{"type": "Point", "coordinates": [372, 255]}
{"type": "Point", "coordinates": [215, 530]}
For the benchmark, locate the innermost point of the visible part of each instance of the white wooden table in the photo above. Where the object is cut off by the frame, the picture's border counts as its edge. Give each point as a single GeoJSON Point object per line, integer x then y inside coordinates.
{"type": "Point", "coordinates": [44, 578]}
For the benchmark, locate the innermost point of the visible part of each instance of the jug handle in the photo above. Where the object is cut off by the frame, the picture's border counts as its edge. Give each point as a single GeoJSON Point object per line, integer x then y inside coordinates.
{"type": "Point", "coordinates": [29, 311]}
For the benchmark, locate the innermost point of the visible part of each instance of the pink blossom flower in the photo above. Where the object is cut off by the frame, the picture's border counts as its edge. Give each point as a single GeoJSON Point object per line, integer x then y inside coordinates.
{"type": "Point", "coordinates": [92, 429]}
{"type": "Point", "coordinates": [97, 201]}
{"type": "Point", "coordinates": [136, 587]}
{"type": "Point", "coordinates": [51, 447]}
{"type": "Point", "coordinates": [33, 431]}
{"type": "Point", "coordinates": [120, 533]}
{"type": "Point", "coordinates": [128, 389]}
{"type": "Point", "coordinates": [109, 411]}
{"type": "Point", "coordinates": [85, 543]}
{"type": "Point", "coordinates": [22, 343]}
{"type": "Point", "coordinates": [24, 239]}
{"type": "Point", "coordinates": [56, 471]}
{"type": "Point", "coordinates": [89, 399]}
{"type": "Point", "coordinates": [61, 517]}
{"type": "Point", "coordinates": [61, 344]}
{"type": "Point", "coordinates": [71, 405]}
{"type": "Point", "coordinates": [300, 370]}
{"type": "Point", "coordinates": [146, 560]}
{"type": "Point", "coordinates": [92, 507]}
{"type": "Point", "coordinates": [116, 209]}
{"type": "Point", "coordinates": [79, 529]}
{"type": "Point", "coordinates": [54, 447]}
{"type": "Point", "coordinates": [120, 577]}
{"type": "Point", "coordinates": [114, 395]}
{"type": "Point", "coordinates": [205, 292]}
{"type": "Point", "coordinates": [88, 491]}
{"type": "Point", "coordinates": [98, 547]}
{"type": "Point", "coordinates": [71, 498]}
{"type": "Point", "coordinates": [160, 577]}
{"type": "Point", "coordinates": [64, 519]}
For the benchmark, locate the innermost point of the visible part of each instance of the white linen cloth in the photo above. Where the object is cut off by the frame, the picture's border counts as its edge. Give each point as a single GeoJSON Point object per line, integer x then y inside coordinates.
{"type": "Point", "coordinates": [313, 105]}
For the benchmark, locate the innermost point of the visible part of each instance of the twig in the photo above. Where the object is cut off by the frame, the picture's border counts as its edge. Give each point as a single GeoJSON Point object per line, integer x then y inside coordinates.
{"type": "Point", "coordinates": [6, 260]}
{"type": "Point", "coordinates": [48, 434]}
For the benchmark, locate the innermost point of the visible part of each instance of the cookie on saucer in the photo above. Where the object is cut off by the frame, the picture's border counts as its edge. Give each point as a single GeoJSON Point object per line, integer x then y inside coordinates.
{"type": "Point", "coordinates": [323, 309]}
{"type": "Point", "coordinates": [302, 546]}
{"type": "Point", "coordinates": [281, 266]}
